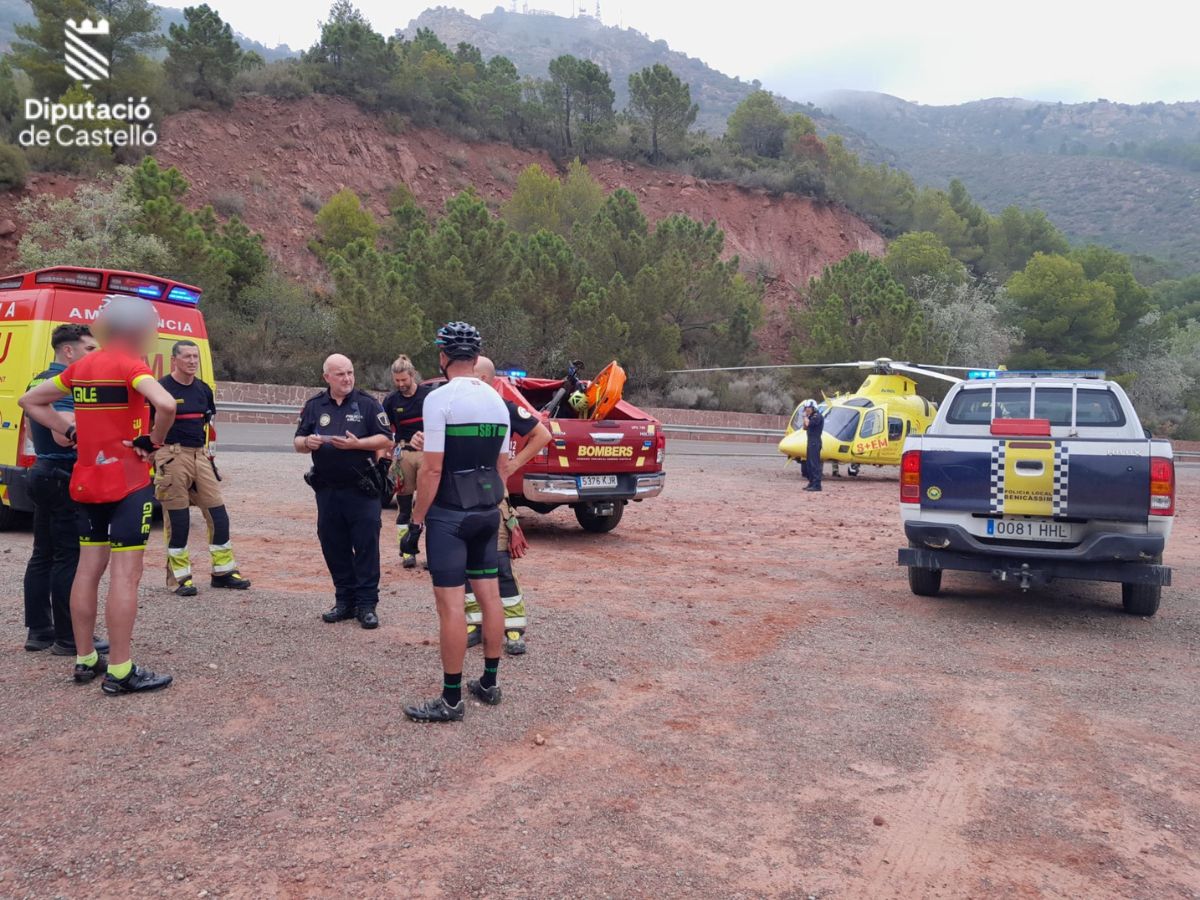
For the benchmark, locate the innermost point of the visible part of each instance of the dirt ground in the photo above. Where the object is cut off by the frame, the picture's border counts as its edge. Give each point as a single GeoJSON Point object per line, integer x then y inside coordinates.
{"type": "Point", "coordinates": [738, 695]}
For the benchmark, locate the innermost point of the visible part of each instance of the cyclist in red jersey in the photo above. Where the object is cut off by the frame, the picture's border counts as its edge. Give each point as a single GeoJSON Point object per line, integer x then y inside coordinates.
{"type": "Point", "coordinates": [113, 390]}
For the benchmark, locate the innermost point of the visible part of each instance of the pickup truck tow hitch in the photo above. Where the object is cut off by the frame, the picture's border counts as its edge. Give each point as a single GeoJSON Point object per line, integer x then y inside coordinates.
{"type": "Point", "coordinates": [1024, 575]}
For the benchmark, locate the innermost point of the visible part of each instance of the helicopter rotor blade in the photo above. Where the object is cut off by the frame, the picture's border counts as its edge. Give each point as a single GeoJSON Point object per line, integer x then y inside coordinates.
{"type": "Point", "coordinates": [853, 365]}
{"type": "Point", "coordinates": [903, 367]}
{"type": "Point", "coordinates": [955, 368]}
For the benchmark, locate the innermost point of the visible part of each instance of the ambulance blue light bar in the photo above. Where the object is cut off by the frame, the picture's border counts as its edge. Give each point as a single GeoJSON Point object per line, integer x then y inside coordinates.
{"type": "Point", "coordinates": [1035, 373]}
{"type": "Point", "coordinates": [140, 287]}
{"type": "Point", "coordinates": [182, 295]}
{"type": "Point", "coordinates": [513, 373]}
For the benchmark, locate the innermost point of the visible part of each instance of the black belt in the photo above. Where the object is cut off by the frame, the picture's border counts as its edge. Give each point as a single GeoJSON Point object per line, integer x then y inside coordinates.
{"type": "Point", "coordinates": [60, 468]}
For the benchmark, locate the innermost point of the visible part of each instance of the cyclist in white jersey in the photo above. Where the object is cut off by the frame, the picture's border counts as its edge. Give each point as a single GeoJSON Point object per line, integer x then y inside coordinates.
{"type": "Point", "coordinates": [458, 490]}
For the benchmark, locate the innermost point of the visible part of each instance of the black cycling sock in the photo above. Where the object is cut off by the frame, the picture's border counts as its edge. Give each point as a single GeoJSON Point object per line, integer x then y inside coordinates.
{"type": "Point", "coordinates": [452, 688]}
{"type": "Point", "coordinates": [220, 522]}
{"type": "Point", "coordinates": [180, 523]}
{"type": "Point", "coordinates": [491, 668]}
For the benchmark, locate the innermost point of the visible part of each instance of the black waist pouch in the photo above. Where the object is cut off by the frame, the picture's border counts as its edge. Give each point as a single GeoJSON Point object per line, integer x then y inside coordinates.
{"type": "Point", "coordinates": [476, 488]}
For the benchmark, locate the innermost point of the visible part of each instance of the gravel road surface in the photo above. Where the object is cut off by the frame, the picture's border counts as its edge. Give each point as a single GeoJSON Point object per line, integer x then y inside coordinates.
{"type": "Point", "coordinates": [732, 695]}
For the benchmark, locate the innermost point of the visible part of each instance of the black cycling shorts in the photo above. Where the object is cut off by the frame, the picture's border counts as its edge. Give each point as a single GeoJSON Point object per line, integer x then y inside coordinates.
{"type": "Point", "coordinates": [461, 545]}
{"type": "Point", "coordinates": [122, 525]}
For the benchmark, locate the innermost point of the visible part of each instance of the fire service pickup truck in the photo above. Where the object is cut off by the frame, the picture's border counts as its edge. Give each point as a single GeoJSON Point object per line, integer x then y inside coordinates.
{"type": "Point", "coordinates": [594, 466]}
{"type": "Point", "coordinates": [1032, 476]}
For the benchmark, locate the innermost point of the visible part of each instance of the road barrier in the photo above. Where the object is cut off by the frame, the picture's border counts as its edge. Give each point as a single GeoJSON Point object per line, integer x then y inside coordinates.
{"type": "Point", "coordinates": [281, 413]}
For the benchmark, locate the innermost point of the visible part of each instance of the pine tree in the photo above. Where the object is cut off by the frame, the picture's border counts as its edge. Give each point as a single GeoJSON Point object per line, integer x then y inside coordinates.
{"type": "Point", "coordinates": [1068, 320]}
{"type": "Point", "coordinates": [203, 57]}
{"type": "Point", "coordinates": [663, 104]}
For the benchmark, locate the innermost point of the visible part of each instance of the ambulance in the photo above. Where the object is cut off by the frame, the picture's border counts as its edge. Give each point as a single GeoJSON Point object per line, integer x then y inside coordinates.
{"type": "Point", "coordinates": [32, 305]}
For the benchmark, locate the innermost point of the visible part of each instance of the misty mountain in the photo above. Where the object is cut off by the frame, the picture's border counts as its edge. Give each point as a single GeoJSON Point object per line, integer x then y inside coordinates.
{"type": "Point", "coordinates": [1125, 175]}
{"type": "Point", "coordinates": [17, 12]}
{"type": "Point", "coordinates": [532, 39]}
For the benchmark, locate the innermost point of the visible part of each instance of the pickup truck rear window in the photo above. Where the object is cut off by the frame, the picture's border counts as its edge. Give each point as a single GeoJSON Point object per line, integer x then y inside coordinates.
{"type": "Point", "coordinates": [1098, 407]}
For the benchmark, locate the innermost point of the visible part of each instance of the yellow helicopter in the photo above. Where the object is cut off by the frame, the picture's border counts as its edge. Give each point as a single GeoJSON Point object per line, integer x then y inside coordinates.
{"type": "Point", "coordinates": [867, 426]}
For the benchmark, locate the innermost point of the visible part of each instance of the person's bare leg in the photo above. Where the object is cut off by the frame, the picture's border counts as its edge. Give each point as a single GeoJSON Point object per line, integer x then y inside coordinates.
{"type": "Point", "coordinates": [120, 607]}
{"type": "Point", "coordinates": [487, 595]}
{"type": "Point", "coordinates": [452, 626]}
{"type": "Point", "coordinates": [84, 596]}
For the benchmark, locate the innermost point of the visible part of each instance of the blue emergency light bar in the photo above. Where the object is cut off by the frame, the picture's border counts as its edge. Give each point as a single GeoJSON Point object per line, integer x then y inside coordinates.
{"type": "Point", "coordinates": [513, 373]}
{"type": "Point", "coordinates": [975, 374]}
{"type": "Point", "coordinates": [141, 287]}
{"type": "Point", "coordinates": [179, 294]}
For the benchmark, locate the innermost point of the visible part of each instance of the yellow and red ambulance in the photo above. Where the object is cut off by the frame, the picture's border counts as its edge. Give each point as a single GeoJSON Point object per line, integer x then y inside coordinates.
{"type": "Point", "coordinates": [32, 305]}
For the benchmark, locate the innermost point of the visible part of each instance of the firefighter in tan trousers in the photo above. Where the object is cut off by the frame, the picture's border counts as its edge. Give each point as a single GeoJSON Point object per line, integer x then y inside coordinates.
{"type": "Point", "coordinates": [185, 475]}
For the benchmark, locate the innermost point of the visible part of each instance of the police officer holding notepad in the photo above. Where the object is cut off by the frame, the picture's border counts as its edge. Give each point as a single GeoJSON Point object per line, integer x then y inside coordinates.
{"type": "Point", "coordinates": [343, 428]}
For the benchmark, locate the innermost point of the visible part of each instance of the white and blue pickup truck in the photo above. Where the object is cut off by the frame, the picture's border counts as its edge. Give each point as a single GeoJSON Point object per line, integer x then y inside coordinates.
{"type": "Point", "coordinates": [1034, 476]}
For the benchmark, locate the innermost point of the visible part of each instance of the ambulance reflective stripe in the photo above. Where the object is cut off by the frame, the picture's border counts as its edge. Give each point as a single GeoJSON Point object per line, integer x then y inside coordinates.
{"type": "Point", "coordinates": [222, 558]}
{"type": "Point", "coordinates": [180, 562]}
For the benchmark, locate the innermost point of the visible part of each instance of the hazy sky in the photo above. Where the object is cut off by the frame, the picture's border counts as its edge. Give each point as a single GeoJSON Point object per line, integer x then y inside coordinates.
{"type": "Point", "coordinates": [931, 51]}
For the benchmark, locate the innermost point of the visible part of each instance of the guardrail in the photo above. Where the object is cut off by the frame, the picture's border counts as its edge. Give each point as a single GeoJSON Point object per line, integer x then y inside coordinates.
{"type": "Point", "coordinates": [282, 409]}
{"type": "Point", "coordinates": [1185, 457]}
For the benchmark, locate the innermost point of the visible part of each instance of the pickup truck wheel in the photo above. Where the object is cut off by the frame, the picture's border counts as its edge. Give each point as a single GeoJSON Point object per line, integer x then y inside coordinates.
{"type": "Point", "coordinates": [1141, 599]}
{"type": "Point", "coordinates": [590, 520]}
{"type": "Point", "coordinates": [924, 582]}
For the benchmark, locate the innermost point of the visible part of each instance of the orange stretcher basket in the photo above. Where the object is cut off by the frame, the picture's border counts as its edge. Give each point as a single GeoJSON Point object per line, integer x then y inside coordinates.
{"type": "Point", "coordinates": [604, 393]}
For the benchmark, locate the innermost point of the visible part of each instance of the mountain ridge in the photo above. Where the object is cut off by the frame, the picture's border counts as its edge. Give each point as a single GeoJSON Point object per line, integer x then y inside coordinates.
{"type": "Point", "coordinates": [1090, 166]}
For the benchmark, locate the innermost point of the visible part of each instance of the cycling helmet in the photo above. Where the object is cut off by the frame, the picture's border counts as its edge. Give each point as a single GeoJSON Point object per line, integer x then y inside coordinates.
{"type": "Point", "coordinates": [460, 341]}
{"type": "Point", "coordinates": [579, 402]}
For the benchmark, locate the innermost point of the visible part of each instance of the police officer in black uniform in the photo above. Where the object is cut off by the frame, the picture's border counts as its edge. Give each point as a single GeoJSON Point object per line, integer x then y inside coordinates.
{"type": "Point", "coordinates": [343, 429]}
{"type": "Point", "coordinates": [814, 426]}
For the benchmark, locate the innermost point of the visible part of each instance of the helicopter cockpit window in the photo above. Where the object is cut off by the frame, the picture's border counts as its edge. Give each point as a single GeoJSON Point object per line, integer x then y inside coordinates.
{"type": "Point", "coordinates": [842, 423]}
{"type": "Point", "coordinates": [895, 429]}
{"type": "Point", "coordinates": [872, 423]}
{"type": "Point", "coordinates": [860, 401]}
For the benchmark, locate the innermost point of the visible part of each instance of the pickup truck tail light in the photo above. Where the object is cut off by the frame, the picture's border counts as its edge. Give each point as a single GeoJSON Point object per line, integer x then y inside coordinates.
{"type": "Point", "coordinates": [910, 477]}
{"type": "Point", "coordinates": [26, 455]}
{"type": "Point", "coordinates": [1162, 486]}
{"type": "Point", "coordinates": [661, 443]}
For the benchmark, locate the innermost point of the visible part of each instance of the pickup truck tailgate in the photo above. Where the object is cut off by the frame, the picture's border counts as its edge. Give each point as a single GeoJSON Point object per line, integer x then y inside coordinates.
{"type": "Point", "coordinates": [1048, 477]}
{"type": "Point", "coordinates": [586, 447]}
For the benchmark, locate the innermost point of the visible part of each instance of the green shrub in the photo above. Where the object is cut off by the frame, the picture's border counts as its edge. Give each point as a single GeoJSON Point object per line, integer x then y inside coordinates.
{"type": "Point", "coordinates": [13, 168]}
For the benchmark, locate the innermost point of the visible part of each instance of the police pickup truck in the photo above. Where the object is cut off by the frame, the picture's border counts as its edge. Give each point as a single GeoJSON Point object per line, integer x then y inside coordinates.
{"type": "Point", "coordinates": [1033, 476]}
